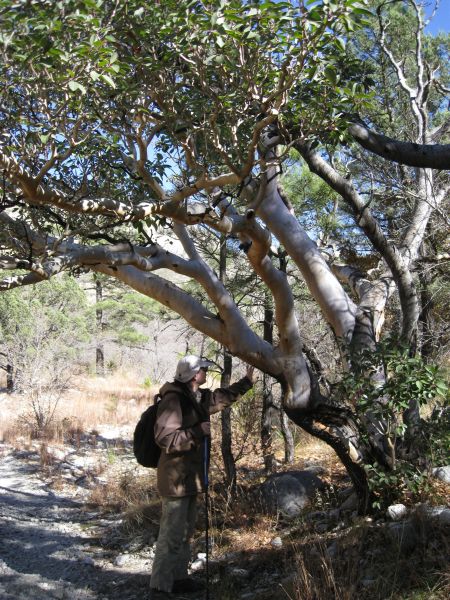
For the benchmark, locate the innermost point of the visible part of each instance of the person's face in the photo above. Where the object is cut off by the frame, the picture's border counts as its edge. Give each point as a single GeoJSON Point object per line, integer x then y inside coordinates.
{"type": "Point", "coordinates": [200, 377]}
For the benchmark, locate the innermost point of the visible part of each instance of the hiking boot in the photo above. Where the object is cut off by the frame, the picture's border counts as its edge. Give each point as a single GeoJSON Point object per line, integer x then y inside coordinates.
{"type": "Point", "coordinates": [159, 595]}
{"type": "Point", "coordinates": [187, 586]}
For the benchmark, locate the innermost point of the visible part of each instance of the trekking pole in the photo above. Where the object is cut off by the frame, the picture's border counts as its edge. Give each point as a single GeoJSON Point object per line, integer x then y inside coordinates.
{"type": "Point", "coordinates": [206, 482]}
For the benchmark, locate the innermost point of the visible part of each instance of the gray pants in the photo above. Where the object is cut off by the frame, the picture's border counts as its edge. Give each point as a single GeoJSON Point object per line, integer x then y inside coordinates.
{"type": "Point", "coordinates": [173, 550]}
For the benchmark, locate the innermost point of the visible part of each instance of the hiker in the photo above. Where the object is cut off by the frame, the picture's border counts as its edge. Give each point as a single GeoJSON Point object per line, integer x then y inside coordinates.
{"type": "Point", "coordinates": [182, 424]}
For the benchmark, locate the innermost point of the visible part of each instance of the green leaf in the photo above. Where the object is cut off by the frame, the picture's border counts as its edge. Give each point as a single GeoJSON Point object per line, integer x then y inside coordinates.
{"type": "Point", "coordinates": [74, 86]}
{"type": "Point", "coordinates": [108, 80]}
{"type": "Point", "coordinates": [331, 75]}
{"type": "Point", "coordinates": [253, 36]}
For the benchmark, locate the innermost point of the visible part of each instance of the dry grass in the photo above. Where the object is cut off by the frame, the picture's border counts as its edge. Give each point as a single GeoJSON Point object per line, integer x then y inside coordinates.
{"type": "Point", "coordinates": [124, 491]}
{"type": "Point", "coordinates": [368, 565]}
{"type": "Point", "coordinates": [364, 565]}
{"type": "Point", "coordinates": [96, 401]}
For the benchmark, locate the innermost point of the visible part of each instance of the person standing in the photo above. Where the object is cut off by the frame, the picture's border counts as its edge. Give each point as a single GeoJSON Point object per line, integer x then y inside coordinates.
{"type": "Point", "coordinates": [182, 424]}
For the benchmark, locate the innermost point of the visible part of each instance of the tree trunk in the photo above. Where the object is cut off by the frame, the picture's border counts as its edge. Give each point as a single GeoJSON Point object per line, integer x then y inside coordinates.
{"type": "Point", "coordinates": [267, 419]}
{"type": "Point", "coordinates": [289, 448]}
{"type": "Point", "coordinates": [99, 354]}
{"type": "Point", "coordinates": [426, 318]}
{"type": "Point", "coordinates": [337, 426]}
{"type": "Point", "coordinates": [10, 378]}
{"type": "Point", "coordinates": [268, 402]}
{"type": "Point", "coordinates": [227, 451]}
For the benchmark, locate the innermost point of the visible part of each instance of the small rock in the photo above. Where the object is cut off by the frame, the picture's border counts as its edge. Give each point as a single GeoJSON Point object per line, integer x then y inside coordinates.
{"type": "Point", "coordinates": [276, 542]}
{"type": "Point", "coordinates": [316, 469]}
{"type": "Point", "coordinates": [334, 514]}
{"type": "Point", "coordinates": [442, 473]}
{"type": "Point", "coordinates": [239, 573]}
{"type": "Point", "coordinates": [396, 512]}
{"type": "Point", "coordinates": [315, 515]}
{"type": "Point", "coordinates": [197, 565]}
{"type": "Point", "coordinates": [230, 556]}
{"type": "Point", "coordinates": [121, 560]}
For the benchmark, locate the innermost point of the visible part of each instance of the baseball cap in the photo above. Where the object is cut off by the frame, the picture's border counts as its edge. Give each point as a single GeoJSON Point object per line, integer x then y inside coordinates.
{"type": "Point", "coordinates": [189, 366]}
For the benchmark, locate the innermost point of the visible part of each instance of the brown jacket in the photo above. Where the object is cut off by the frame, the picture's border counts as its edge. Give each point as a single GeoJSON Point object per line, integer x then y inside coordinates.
{"type": "Point", "coordinates": [181, 465]}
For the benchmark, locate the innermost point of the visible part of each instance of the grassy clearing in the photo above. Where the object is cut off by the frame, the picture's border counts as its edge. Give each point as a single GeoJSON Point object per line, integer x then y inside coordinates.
{"type": "Point", "coordinates": [115, 401]}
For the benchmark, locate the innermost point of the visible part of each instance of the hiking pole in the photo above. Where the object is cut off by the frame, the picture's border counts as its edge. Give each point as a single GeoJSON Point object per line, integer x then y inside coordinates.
{"type": "Point", "coordinates": [206, 482]}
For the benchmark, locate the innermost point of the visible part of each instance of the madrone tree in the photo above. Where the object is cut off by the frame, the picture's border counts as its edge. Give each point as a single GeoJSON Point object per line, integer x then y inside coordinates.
{"type": "Point", "coordinates": [121, 120]}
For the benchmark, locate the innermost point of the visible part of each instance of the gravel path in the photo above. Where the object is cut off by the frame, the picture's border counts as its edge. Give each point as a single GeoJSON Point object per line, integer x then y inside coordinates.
{"type": "Point", "coordinates": [50, 545]}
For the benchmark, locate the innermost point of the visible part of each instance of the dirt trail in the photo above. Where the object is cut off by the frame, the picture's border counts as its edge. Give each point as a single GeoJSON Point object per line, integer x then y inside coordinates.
{"type": "Point", "coordinates": [48, 548]}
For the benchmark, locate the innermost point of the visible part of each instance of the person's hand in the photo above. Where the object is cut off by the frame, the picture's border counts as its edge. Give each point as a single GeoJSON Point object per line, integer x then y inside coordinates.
{"type": "Point", "coordinates": [204, 429]}
{"type": "Point", "coordinates": [250, 373]}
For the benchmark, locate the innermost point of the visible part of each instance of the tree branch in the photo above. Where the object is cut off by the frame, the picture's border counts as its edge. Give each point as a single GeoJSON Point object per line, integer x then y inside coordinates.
{"type": "Point", "coordinates": [365, 220]}
{"type": "Point", "coordinates": [433, 156]}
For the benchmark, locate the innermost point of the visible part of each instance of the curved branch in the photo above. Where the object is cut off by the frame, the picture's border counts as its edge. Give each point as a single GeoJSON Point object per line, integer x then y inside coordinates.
{"type": "Point", "coordinates": [15, 281]}
{"type": "Point", "coordinates": [366, 221]}
{"type": "Point", "coordinates": [432, 156]}
{"type": "Point", "coordinates": [338, 308]}
{"type": "Point", "coordinates": [247, 345]}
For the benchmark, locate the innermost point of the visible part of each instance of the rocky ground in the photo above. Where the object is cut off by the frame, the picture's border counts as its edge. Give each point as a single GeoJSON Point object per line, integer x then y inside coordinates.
{"type": "Point", "coordinates": [51, 543]}
{"type": "Point", "coordinates": [57, 542]}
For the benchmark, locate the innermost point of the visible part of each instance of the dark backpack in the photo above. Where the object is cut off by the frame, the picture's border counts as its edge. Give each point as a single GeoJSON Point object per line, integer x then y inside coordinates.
{"type": "Point", "coordinates": [145, 448]}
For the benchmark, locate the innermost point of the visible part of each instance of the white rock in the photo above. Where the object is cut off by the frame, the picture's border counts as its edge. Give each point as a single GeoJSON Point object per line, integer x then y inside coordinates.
{"type": "Point", "coordinates": [197, 565]}
{"type": "Point", "coordinates": [396, 512]}
{"type": "Point", "coordinates": [121, 560]}
{"type": "Point", "coordinates": [442, 473]}
{"type": "Point", "coordinates": [276, 542]}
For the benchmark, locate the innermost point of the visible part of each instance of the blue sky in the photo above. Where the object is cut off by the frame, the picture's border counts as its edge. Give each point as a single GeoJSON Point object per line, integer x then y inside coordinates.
{"type": "Point", "coordinates": [441, 21]}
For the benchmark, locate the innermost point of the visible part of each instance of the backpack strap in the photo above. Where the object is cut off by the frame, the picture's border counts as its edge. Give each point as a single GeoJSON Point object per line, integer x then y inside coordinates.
{"type": "Point", "coordinates": [185, 393]}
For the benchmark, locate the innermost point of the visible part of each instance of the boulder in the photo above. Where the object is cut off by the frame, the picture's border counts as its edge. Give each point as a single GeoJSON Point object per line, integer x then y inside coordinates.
{"type": "Point", "coordinates": [289, 493]}
{"type": "Point", "coordinates": [404, 534]}
{"type": "Point", "coordinates": [439, 513]}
